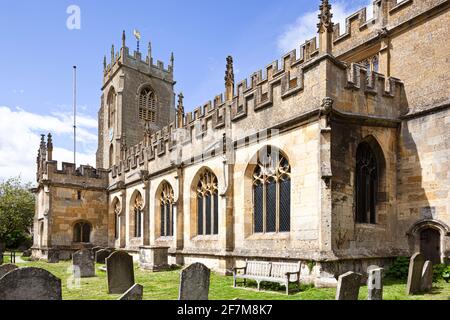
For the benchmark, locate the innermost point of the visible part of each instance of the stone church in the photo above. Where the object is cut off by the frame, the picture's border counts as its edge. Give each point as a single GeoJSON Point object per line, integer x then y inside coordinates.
{"type": "Point", "coordinates": [337, 155]}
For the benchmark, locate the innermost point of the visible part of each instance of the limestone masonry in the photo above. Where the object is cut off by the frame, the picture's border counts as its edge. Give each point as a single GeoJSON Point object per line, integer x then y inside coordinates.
{"type": "Point", "coordinates": [337, 157]}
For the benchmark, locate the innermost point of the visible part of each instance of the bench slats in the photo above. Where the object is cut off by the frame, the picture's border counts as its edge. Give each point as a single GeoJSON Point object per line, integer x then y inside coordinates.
{"type": "Point", "coordinates": [257, 268]}
{"type": "Point", "coordinates": [270, 271]}
{"type": "Point", "coordinates": [279, 270]}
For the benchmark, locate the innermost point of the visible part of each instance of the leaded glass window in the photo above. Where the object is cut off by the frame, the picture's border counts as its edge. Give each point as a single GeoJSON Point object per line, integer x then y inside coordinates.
{"type": "Point", "coordinates": [117, 210]}
{"type": "Point", "coordinates": [366, 184]}
{"type": "Point", "coordinates": [166, 213]}
{"type": "Point", "coordinates": [271, 193]}
{"type": "Point", "coordinates": [207, 205]}
{"type": "Point", "coordinates": [138, 208]}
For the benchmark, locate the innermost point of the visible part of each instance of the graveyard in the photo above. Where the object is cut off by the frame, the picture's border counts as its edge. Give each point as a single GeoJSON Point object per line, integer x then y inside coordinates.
{"type": "Point", "coordinates": [165, 286]}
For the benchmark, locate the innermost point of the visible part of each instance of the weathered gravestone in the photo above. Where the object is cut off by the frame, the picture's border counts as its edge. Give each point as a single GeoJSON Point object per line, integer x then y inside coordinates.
{"type": "Point", "coordinates": [348, 286]}
{"type": "Point", "coordinates": [194, 282]}
{"type": "Point", "coordinates": [26, 253]}
{"type": "Point", "coordinates": [53, 256]}
{"type": "Point", "coordinates": [375, 283]}
{"type": "Point", "coordinates": [6, 268]}
{"type": "Point", "coordinates": [120, 272]}
{"type": "Point", "coordinates": [426, 283]}
{"type": "Point", "coordinates": [101, 255]}
{"type": "Point", "coordinates": [30, 284]}
{"type": "Point", "coordinates": [84, 260]}
{"type": "Point", "coordinates": [134, 293]}
{"type": "Point", "coordinates": [414, 274]}
{"type": "Point", "coordinates": [96, 249]}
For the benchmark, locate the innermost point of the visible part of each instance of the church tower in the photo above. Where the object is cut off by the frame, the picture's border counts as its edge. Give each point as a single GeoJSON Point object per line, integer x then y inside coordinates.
{"type": "Point", "coordinates": [134, 92]}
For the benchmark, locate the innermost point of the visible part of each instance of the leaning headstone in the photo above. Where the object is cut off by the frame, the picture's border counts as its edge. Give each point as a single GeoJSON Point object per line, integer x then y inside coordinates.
{"type": "Point", "coordinates": [348, 286]}
{"type": "Point", "coordinates": [4, 269]}
{"type": "Point", "coordinates": [134, 293]}
{"type": "Point", "coordinates": [194, 282]}
{"type": "Point", "coordinates": [30, 284]}
{"type": "Point", "coordinates": [101, 255]}
{"type": "Point", "coordinates": [120, 272]}
{"type": "Point", "coordinates": [415, 274]}
{"type": "Point", "coordinates": [53, 256]}
{"type": "Point", "coordinates": [84, 260]}
{"type": "Point", "coordinates": [375, 284]}
{"type": "Point", "coordinates": [426, 283]}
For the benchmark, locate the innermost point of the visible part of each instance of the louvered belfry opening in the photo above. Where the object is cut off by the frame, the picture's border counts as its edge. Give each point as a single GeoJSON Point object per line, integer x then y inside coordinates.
{"type": "Point", "coordinates": [366, 186]}
{"type": "Point", "coordinates": [111, 103]}
{"type": "Point", "coordinates": [271, 192]}
{"type": "Point", "coordinates": [147, 105]}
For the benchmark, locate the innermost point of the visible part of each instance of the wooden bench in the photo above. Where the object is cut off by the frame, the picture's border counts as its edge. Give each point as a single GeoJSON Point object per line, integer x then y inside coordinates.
{"type": "Point", "coordinates": [278, 272]}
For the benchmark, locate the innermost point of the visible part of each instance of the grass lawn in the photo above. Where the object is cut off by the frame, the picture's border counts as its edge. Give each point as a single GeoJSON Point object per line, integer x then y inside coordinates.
{"type": "Point", "coordinates": [164, 286]}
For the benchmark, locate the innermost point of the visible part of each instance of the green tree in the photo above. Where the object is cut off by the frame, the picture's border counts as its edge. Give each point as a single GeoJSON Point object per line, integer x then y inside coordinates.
{"type": "Point", "coordinates": [16, 212]}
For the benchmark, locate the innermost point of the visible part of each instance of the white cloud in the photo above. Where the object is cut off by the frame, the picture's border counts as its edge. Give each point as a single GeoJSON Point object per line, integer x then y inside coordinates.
{"type": "Point", "coordinates": [305, 27]}
{"type": "Point", "coordinates": [20, 136]}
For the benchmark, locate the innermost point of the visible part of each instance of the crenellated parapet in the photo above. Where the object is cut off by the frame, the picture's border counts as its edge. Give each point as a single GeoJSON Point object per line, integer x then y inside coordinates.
{"type": "Point", "coordinates": [291, 88]}
{"type": "Point", "coordinates": [137, 61]}
{"type": "Point", "coordinates": [83, 176]}
{"type": "Point", "coordinates": [295, 82]}
{"type": "Point", "coordinates": [48, 172]}
{"type": "Point", "coordinates": [359, 78]}
{"type": "Point", "coordinates": [387, 15]}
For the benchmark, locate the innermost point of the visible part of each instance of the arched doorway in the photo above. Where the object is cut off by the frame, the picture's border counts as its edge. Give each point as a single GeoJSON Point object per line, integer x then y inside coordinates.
{"type": "Point", "coordinates": [430, 245]}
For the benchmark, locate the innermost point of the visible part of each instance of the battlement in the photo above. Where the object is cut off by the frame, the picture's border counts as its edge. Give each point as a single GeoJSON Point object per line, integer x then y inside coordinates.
{"type": "Point", "coordinates": [387, 15]}
{"type": "Point", "coordinates": [136, 61]}
{"type": "Point", "coordinates": [47, 168]}
{"type": "Point", "coordinates": [359, 78]}
{"type": "Point", "coordinates": [69, 169]}
{"type": "Point", "coordinates": [84, 176]}
{"type": "Point", "coordinates": [258, 95]}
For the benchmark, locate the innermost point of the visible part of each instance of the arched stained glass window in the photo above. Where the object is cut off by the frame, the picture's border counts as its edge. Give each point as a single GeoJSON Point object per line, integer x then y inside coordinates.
{"type": "Point", "coordinates": [138, 207]}
{"type": "Point", "coordinates": [166, 207]}
{"type": "Point", "coordinates": [271, 192]}
{"type": "Point", "coordinates": [117, 210]}
{"type": "Point", "coordinates": [207, 205]}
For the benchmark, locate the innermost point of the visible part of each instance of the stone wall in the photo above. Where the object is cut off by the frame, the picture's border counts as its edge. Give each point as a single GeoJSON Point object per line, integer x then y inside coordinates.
{"type": "Point", "coordinates": [350, 239]}
{"type": "Point", "coordinates": [411, 40]}
{"type": "Point", "coordinates": [127, 75]}
{"type": "Point", "coordinates": [423, 174]}
{"type": "Point", "coordinates": [420, 57]}
{"type": "Point", "coordinates": [64, 198]}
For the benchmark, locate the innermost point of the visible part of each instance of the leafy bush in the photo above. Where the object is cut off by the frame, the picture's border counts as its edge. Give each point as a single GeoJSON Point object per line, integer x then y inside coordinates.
{"type": "Point", "coordinates": [441, 272]}
{"type": "Point", "coordinates": [399, 269]}
{"type": "Point", "coordinates": [19, 239]}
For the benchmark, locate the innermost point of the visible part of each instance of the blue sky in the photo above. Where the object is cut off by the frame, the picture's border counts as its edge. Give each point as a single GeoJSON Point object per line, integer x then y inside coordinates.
{"type": "Point", "coordinates": [38, 52]}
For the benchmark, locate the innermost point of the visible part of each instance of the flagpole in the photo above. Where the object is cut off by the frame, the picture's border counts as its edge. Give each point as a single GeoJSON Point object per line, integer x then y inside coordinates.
{"type": "Point", "coordinates": [75, 116]}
